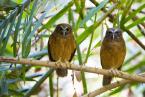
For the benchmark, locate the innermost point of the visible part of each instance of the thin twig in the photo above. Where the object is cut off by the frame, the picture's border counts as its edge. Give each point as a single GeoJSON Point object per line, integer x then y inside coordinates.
{"type": "Point", "coordinates": [67, 65]}
{"type": "Point", "coordinates": [134, 37]}
{"type": "Point", "coordinates": [141, 30]}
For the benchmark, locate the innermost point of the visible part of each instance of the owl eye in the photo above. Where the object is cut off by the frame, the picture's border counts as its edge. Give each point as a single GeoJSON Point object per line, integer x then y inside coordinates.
{"type": "Point", "coordinates": [60, 28]}
{"type": "Point", "coordinates": [109, 32]}
{"type": "Point", "coordinates": [67, 29]}
{"type": "Point", "coordinates": [118, 32]}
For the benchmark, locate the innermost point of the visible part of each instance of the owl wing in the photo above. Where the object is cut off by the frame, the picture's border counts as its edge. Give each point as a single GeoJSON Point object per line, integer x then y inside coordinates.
{"type": "Point", "coordinates": [49, 50]}
{"type": "Point", "coordinates": [73, 46]}
{"type": "Point", "coordinates": [72, 55]}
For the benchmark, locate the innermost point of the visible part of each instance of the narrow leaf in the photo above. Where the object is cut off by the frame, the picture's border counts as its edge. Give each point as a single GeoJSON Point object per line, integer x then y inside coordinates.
{"type": "Point", "coordinates": [16, 31]}
{"type": "Point", "coordinates": [93, 11]}
{"type": "Point", "coordinates": [126, 11]}
{"type": "Point", "coordinates": [57, 16]}
{"type": "Point", "coordinates": [90, 29]}
{"type": "Point", "coordinates": [136, 23]}
{"type": "Point", "coordinates": [134, 13]}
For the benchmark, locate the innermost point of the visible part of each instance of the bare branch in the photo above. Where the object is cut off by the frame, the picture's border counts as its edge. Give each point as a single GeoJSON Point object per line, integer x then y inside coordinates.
{"type": "Point", "coordinates": [67, 65]}
{"type": "Point", "coordinates": [109, 87]}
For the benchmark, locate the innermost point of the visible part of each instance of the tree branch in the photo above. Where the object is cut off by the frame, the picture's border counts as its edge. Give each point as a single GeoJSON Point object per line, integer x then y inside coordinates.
{"type": "Point", "coordinates": [67, 65]}
{"type": "Point", "coordinates": [109, 87]}
{"type": "Point", "coordinates": [135, 38]}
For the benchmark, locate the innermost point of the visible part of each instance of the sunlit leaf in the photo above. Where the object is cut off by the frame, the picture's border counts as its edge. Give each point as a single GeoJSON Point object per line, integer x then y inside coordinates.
{"type": "Point", "coordinates": [93, 11]}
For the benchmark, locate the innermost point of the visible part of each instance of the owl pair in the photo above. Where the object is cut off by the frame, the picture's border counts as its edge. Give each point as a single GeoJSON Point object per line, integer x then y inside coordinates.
{"type": "Point", "coordinates": [62, 46]}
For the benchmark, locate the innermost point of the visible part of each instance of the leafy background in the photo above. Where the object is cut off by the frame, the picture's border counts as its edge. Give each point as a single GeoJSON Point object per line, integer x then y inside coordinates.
{"type": "Point", "coordinates": [25, 27]}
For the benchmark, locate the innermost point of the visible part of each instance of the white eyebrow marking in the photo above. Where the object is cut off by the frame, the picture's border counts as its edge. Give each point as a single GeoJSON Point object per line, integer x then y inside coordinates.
{"type": "Point", "coordinates": [112, 30]}
{"type": "Point", "coordinates": [63, 27]}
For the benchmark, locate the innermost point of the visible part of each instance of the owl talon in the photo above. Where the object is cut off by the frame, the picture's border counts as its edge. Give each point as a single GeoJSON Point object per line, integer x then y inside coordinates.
{"type": "Point", "coordinates": [59, 63]}
{"type": "Point", "coordinates": [67, 64]}
{"type": "Point", "coordinates": [114, 72]}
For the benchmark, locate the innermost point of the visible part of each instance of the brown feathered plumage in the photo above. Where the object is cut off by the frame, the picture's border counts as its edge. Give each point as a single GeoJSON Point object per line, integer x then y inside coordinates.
{"type": "Point", "coordinates": [112, 52]}
{"type": "Point", "coordinates": [61, 46]}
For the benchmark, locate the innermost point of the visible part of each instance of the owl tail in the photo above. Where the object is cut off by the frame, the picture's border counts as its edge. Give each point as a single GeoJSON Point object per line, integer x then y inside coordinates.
{"type": "Point", "coordinates": [61, 72]}
{"type": "Point", "coordinates": [106, 80]}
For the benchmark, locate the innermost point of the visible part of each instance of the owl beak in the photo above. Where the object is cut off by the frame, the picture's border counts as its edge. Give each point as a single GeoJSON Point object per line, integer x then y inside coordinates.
{"type": "Point", "coordinates": [64, 32]}
{"type": "Point", "coordinates": [113, 36]}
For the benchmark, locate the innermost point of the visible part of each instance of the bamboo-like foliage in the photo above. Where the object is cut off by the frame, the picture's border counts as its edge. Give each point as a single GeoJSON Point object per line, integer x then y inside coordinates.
{"type": "Point", "coordinates": [25, 28]}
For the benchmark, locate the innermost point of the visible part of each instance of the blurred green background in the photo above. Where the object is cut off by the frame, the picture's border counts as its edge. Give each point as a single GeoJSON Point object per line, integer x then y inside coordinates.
{"type": "Point", "coordinates": [25, 27]}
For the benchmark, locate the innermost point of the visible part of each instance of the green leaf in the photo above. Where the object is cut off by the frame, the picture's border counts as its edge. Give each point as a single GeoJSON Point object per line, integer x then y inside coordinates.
{"type": "Point", "coordinates": [82, 8]}
{"type": "Point", "coordinates": [26, 44]}
{"type": "Point", "coordinates": [36, 26]}
{"type": "Point", "coordinates": [42, 79]}
{"type": "Point", "coordinates": [134, 13]}
{"type": "Point", "coordinates": [91, 29]}
{"type": "Point", "coordinates": [7, 5]}
{"type": "Point", "coordinates": [93, 11]}
{"type": "Point", "coordinates": [89, 48]}
{"type": "Point", "coordinates": [27, 29]}
{"type": "Point", "coordinates": [39, 54]}
{"type": "Point", "coordinates": [116, 90]}
{"type": "Point", "coordinates": [16, 93]}
{"type": "Point", "coordinates": [3, 85]}
{"type": "Point", "coordinates": [27, 49]}
{"type": "Point", "coordinates": [16, 32]}
{"type": "Point", "coordinates": [77, 5]}
{"type": "Point", "coordinates": [79, 54]}
{"type": "Point", "coordinates": [135, 67]}
{"type": "Point", "coordinates": [126, 11]}
{"type": "Point", "coordinates": [57, 16]}
{"type": "Point", "coordinates": [3, 30]}
{"type": "Point", "coordinates": [51, 88]}
{"type": "Point", "coordinates": [136, 23]}
{"type": "Point", "coordinates": [133, 57]}
{"type": "Point", "coordinates": [14, 14]}
{"type": "Point", "coordinates": [98, 44]}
